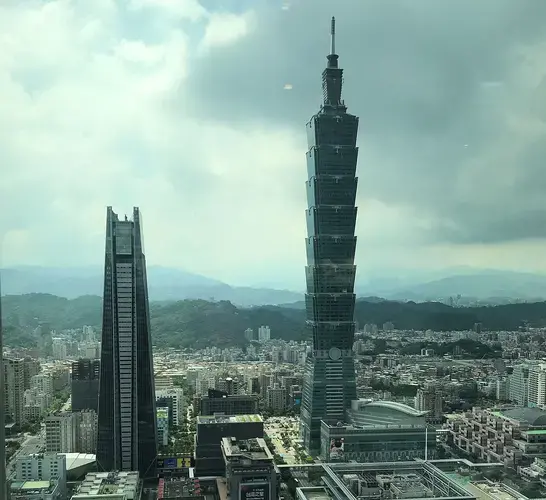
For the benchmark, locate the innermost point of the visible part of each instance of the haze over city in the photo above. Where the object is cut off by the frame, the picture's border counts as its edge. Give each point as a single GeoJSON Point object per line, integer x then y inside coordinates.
{"type": "Point", "coordinates": [196, 111]}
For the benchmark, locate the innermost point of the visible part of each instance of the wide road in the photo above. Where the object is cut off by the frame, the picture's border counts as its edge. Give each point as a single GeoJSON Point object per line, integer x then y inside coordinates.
{"type": "Point", "coordinates": [31, 445]}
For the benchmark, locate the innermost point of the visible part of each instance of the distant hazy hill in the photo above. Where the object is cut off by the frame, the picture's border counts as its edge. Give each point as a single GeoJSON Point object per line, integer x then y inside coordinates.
{"type": "Point", "coordinates": [493, 285]}
{"type": "Point", "coordinates": [201, 323]}
{"type": "Point", "coordinates": [164, 284]}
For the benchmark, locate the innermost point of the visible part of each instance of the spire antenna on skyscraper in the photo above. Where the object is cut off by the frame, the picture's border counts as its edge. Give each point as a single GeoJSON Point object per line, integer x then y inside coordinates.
{"type": "Point", "coordinates": [333, 37]}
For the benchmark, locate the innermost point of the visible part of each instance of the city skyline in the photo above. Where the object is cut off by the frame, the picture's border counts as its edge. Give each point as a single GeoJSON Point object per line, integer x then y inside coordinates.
{"type": "Point", "coordinates": [127, 430]}
{"type": "Point", "coordinates": [450, 125]}
{"type": "Point", "coordinates": [329, 384]}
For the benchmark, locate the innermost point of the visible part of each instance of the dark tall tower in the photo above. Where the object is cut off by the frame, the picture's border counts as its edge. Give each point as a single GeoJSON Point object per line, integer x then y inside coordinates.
{"type": "Point", "coordinates": [85, 384]}
{"type": "Point", "coordinates": [3, 476]}
{"type": "Point", "coordinates": [329, 383]}
{"type": "Point", "coordinates": [127, 420]}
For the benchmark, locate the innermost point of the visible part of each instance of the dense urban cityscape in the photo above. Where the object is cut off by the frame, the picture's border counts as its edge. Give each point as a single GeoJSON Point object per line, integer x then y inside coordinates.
{"type": "Point", "coordinates": [333, 409]}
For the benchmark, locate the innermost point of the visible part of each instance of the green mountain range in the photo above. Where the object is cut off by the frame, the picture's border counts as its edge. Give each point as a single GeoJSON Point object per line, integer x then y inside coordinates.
{"type": "Point", "coordinates": [200, 323]}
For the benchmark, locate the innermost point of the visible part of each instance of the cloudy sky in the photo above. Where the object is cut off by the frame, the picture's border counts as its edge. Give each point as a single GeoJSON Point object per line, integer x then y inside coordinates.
{"type": "Point", "coordinates": [179, 107]}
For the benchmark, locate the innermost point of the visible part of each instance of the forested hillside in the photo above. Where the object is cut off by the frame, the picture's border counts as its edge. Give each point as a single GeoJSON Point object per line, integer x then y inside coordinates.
{"type": "Point", "coordinates": [199, 323]}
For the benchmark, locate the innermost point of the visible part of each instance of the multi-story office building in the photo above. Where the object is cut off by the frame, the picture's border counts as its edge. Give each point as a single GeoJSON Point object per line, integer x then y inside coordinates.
{"type": "Point", "coordinates": [86, 431]}
{"type": "Point", "coordinates": [222, 402]}
{"type": "Point", "coordinates": [127, 433]}
{"type": "Point", "coordinates": [277, 398]}
{"type": "Point", "coordinates": [14, 390]}
{"type": "Point", "coordinates": [85, 384]}
{"type": "Point", "coordinates": [209, 460]}
{"type": "Point", "coordinates": [61, 433]}
{"type": "Point", "coordinates": [329, 383]}
{"type": "Point", "coordinates": [173, 399]}
{"type": "Point", "coordinates": [42, 467]}
{"type": "Point", "coordinates": [380, 431]}
{"type": "Point", "coordinates": [250, 470]}
{"type": "Point", "coordinates": [162, 415]}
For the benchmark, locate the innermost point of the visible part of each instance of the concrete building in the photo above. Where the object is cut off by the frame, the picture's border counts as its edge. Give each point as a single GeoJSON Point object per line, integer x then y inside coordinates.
{"type": "Point", "coordinates": [36, 490]}
{"type": "Point", "coordinates": [378, 431]}
{"type": "Point", "coordinates": [173, 399]}
{"type": "Point", "coordinates": [85, 384]}
{"type": "Point", "coordinates": [430, 401]}
{"type": "Point", "coordinates": [264, 333]}
{"type": "Point", "coordinates": [41, 476]}
{"type": "Point", "coordinates": [86, 431]}
{"type": "Point", "coordinates": [42, 382]}
{"type": "Point", "coordinates": [249, 334]}
{"type": "Point", "coordinates": [394, 480]}
{"type": "Point", "coordinates": [277, 398]}
{"type": "Point", "coordinates": [31, 368]}
{"type": "Point", "coordinates": [209, 460]}
{"type": "Point", "coordinates": [518, 385]}
{"type": "Point", "coordinates": [14, 390]}
{"type": "Point", "coordinates": [250, 470]}
{"type": "Point", "coordinates": [537, 385]}
{"type": "Point", "coordinates": [109, 486]}
{"type": "Point", "coordinates": [221, 402]}
{"type": "Point", "coordinates": [59, 349]}
{"type": "Point", "coordinates": [162, 415]}
{"type": "Point", "coordinates": [61, 433]}
{"type": "Point", "coordinates": [506, 435]}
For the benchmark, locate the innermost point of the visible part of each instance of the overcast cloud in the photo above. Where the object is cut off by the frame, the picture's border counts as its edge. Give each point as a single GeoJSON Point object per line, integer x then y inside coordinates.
{"type": "Point", "coordinates": [179, 107]}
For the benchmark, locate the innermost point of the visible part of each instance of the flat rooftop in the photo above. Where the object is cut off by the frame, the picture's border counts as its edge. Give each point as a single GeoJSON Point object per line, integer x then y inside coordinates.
{"type": "Point", "coordinates": [254, 449]}
{"type": "Point", "coordinates": [30, 487]}
{"type": "Point", "coordinates": [231, 419]}
{"type": "Point", "coordinates": [352, 481]}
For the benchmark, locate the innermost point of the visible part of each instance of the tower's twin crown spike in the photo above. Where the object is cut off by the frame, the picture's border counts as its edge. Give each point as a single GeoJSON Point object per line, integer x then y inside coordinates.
{"type": "Point", "coordinates": [333, 36]}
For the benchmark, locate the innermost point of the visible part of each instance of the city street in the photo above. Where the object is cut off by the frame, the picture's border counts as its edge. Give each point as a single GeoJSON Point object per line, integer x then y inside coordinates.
{"type": "Point", "coordinates": [32, 444]}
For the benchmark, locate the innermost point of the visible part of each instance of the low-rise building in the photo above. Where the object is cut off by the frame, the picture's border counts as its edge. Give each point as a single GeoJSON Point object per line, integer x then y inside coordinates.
{"type": "Point", "coordinates": [109, 485]}
{"type": "Point", "coordinates": [501, 435]}
{"type": "Point", "coordinates": [378, 431]}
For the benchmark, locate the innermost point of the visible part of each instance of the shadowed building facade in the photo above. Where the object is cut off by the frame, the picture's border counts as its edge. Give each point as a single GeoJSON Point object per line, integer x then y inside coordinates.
{"type": "Point", "coordinates": [127, 418]}
{"type": "Point", "coordinates": [329, 381]}
{"type": "Point", "coordinates": [85, 384]}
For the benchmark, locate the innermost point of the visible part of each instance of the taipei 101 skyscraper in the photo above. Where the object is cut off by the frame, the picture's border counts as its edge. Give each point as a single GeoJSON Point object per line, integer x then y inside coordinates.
{"type": "Point", "coordinates": [329, 383]}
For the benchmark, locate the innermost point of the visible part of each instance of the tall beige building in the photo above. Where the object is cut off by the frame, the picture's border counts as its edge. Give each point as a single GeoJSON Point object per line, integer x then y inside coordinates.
{"type": "Point", "coordinates": [61, 433]}
{"type": "Point", "coordinates": [14, 390]}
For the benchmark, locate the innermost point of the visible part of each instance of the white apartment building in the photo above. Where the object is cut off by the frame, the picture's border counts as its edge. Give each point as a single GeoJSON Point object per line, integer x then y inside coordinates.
{"type": "Point", "coordinates": [59, 349]}
{"type": "Point", "coordinates": [518, 390]}
{"type": "Point", "coordinates": [41, 467]}
{"type": "Point", "coordinates": [42, 383]}
{"type": "Point", "coordinates": [537, 385]}
{"type": "Point", "coordinates": [264, 333]}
